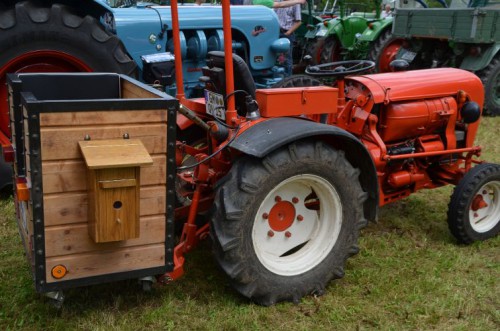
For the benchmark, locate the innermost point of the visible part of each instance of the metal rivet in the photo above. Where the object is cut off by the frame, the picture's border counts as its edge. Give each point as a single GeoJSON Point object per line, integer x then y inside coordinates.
{"type": "Point", "coordinates": [126, 136]}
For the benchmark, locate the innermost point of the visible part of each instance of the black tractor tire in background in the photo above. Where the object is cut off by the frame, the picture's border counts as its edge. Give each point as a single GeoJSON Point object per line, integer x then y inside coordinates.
{"type": "Point", "coordinates": [297, 81]}
{"type": "Point", "coordinates": [326, 50]}
{"type": "Point", "coordinates": [308, 178]}
{"type": "Point", "coordinates": [63, 36]}
{"type": "Point", "coordinates": [383, 51]}
{"type": "Point", "coordinates": [490, 76]}
{"type": "Point", "coordinates": [35, 38]}
{"type": "Point", "coordinates": [474, 208]}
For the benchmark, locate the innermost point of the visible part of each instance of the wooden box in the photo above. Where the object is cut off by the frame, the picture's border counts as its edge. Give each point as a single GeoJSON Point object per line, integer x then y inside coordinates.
{"type": "Point", "coordinates": [297, 101]}
{"type": "Point", "coordinates": [59, 111]}
{"type": "Point", "coordinates": [113, 187]}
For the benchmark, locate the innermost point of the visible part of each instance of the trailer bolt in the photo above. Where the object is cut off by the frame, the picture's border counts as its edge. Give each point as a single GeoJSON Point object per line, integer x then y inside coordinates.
{"type": "Point", "coordinates": [300, 218]}
{"type": "Point", "coordinates": [270, 233]}
{"type": "Point", "coordinates": [277, 198]}
{"type": "Point", "coordinates": [265, 216]}
{"type": "Point", "coordinates": [295, 200]}
{"type": "Point", "coordinates": [288, 234]}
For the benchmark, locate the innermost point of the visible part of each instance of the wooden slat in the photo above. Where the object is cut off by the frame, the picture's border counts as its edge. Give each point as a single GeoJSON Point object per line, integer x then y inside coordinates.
{"type": "Point", "coordinates": [74, 238]}
{"type": "Point", "coordinates": [103, 117]}
{"type": "Point", "coordinates": [70, 208]}
{"type": "Point", "coordinates": [106, 262]}
{"type": "Point", "coordinates": [131, 91]}
{"type": "Point", "coordinates": [61, 143]}
{"type": "Point", "coordinates": [70, 175]}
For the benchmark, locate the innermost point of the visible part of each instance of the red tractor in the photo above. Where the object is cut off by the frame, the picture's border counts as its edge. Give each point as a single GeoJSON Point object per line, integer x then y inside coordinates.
{"type": "Point", "coordinates": [292, 175]}
{"type": "Point", "coordinates": [284, 179]}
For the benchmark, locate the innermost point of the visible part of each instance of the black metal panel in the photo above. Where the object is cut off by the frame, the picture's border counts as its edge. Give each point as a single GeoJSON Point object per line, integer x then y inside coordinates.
{"type": "Point", "coordinates": [171, 171]}
{"type": "Point", "coordinates": [16, 85]}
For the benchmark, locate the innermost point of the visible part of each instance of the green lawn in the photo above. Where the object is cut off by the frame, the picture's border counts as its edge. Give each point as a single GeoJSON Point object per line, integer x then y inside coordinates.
{"type": "Point", "coordinates": [410, 274]}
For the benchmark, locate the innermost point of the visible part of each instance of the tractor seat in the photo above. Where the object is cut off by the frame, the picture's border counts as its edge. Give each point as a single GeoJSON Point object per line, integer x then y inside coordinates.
{"type": "Point", "coordinates": [243, 79]}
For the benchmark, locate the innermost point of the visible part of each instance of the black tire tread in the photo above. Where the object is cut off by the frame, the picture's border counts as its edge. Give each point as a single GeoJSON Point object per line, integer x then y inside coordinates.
{"type": "Point", "coordinates": [377, 47]}
{"type": "Point", "coordinates": [487, 77]}
{"type": "Point", "coordinates": [60, 20]}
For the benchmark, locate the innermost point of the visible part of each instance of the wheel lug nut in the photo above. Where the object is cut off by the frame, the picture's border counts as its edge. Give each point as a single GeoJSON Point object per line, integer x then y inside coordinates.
{"type": "Point", "coordinates": [277, 199]}
{"type": "Point", "coordinates": [270, 233]}
{"type": "Point", "coordinates": [476, 215]}
{"type": "Point", "coordinates": [295, 200]}
{"type": "Point", "coordinates": [265, 216]}
{"type": "Point", "coordinates": [485, 192]}
{"type": "Point", "coordinates": [288, 234]}
{"type": "Point", "coordinates": [300, 218]}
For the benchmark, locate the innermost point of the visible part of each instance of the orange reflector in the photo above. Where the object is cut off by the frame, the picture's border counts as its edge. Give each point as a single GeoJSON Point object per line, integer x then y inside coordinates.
{"type": "Point", "coordinates": [59, 271]}
{"type": "Point", "coordinates": [22, 191]}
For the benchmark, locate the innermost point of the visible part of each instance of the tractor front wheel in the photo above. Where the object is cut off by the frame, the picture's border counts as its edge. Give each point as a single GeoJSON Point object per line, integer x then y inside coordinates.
{"type": "Point", "coordinates": [283, 226]}
{"type": "Point", "coordinates": [474, 209]}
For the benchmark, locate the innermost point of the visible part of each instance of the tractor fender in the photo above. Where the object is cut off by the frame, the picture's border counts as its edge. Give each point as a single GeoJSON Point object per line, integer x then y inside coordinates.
{"type": "Point", "coordinates": [267, 136]}
{"type": "Point", "coordinates": [375, 29]}
{"type": "Point", "coordinates": [476, 63]}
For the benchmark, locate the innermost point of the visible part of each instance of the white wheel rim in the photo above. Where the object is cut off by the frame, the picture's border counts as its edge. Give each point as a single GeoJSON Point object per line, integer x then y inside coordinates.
{"type": "Point", "coordinates": [484, 211]}
{"type": "Point", "coordinates": [309, 235]}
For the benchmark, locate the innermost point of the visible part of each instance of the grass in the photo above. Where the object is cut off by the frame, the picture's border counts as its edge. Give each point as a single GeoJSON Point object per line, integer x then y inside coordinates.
{"type": "Point", "coordinates": [409, 275]}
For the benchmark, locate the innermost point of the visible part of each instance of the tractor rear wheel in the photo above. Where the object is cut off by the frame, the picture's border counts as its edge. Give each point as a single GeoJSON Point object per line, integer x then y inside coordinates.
{"type": "Point", "coordinates": [297, 81]}
{"type": "Point", "coordinates": [35, 38]}
{"type": "Point", "coordinates": [490, 76]}
{"type": "Point", "coordinates": [474, 209]}
{"type": "Point", "coordinates": [326, 50]}
{"type": "Point", "coordinates": [283, 226]}
{"type": "Point", "coordinates": [384, 50]}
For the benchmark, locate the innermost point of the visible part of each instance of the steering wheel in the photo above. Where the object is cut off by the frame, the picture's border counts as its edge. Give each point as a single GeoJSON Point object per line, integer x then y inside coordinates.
{"type": "Point", "coordinates": [340, 68]}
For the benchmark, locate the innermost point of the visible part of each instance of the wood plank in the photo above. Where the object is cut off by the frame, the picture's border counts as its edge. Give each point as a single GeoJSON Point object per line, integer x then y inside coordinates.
{"type": "Point", "coordinates": [103, 117]}
{"type": "Point", "coordinates": [75, 239]}
{"type": "Point", "coordinates": [61, 143]}
{"type": "Point", "coordinates": [107, 262]}
{"type": "Point", "coordinates": [71, 175]}
{"type": "Point", "coordinates": [70, 208]}
{"type": "Point", "coordinates": [114, 153]}
{"type": "Point", "coordinates": [131, 91]}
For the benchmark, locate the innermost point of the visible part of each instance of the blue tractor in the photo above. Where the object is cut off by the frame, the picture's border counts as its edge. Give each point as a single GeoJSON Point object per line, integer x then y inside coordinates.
{"type": "Point", "coordinates": [130, 38]}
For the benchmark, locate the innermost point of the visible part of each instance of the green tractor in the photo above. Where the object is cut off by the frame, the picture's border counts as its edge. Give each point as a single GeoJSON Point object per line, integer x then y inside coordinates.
{"type": "Point", "coordinates": [356, 34]}
{"type": "Point", "coordinates": [463, 36]}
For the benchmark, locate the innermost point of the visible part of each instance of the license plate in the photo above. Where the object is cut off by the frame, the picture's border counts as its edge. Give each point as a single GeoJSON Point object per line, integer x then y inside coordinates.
{"type": "Point", "coordinates": [214, 103]}
{"type": "Point", "coordinates": [408, 55]}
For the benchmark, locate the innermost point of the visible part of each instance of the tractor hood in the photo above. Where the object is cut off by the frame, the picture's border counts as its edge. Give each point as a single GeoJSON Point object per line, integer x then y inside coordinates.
{"type": "Point", "coordinates": [421, 84]}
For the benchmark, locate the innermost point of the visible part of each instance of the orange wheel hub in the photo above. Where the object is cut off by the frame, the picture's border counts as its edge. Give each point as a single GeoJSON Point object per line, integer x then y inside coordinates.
{"type": "Point", "coordinates": [281, 216]}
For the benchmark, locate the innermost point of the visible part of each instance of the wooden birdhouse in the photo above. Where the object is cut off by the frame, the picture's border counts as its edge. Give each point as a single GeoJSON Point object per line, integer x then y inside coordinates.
{"type": "Point", "coordinates": [113, 187]}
